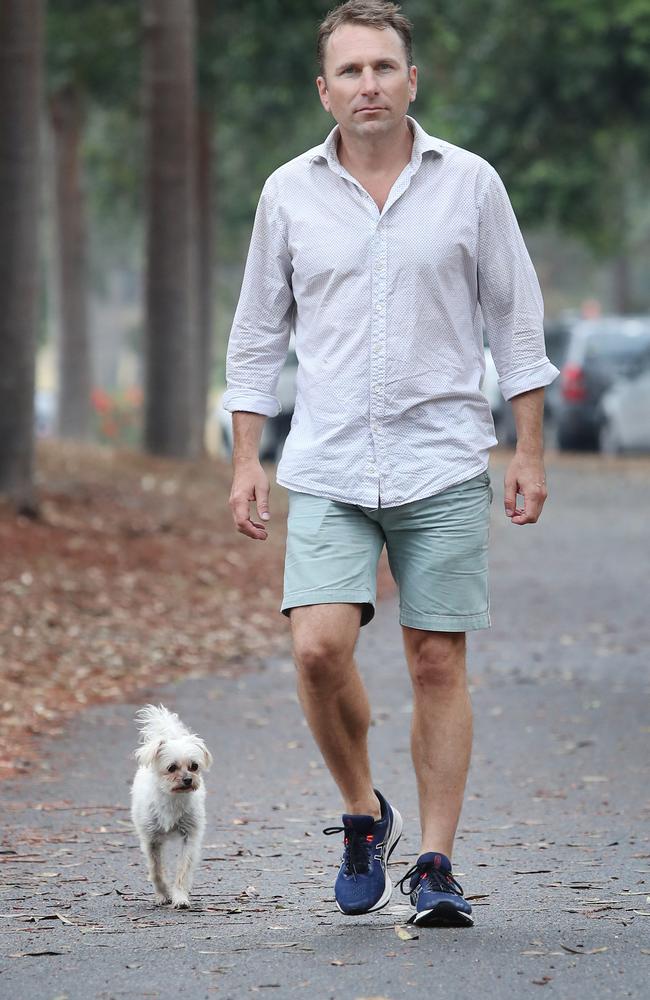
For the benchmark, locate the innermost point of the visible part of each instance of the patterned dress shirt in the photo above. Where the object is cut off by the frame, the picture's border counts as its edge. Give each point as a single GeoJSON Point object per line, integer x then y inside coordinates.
{"type": "Point", "coordinates": [388, 309]}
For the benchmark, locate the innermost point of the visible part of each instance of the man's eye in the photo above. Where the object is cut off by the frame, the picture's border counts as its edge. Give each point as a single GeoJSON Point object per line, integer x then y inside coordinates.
{"type": "Point", "coordinates": [172, 768]}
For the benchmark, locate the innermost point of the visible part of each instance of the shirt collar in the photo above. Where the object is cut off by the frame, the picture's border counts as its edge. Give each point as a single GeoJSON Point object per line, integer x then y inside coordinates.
{"type": "Point", "coordinates": [422, 143]}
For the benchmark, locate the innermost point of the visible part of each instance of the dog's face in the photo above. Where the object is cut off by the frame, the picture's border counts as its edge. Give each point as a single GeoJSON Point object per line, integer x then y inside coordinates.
{"type": "Point", "coordinates": [178, 763]}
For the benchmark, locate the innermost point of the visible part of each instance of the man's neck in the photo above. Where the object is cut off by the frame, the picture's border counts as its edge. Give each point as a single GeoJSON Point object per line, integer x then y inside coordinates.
{"type": "Point", "coordinates": [374, 155]}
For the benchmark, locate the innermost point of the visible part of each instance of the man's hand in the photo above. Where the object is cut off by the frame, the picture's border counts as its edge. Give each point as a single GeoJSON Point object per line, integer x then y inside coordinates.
{"type": "Point", "coordinates": [250, 483]}
{"type": "Point", "coordinates": [525, 474]}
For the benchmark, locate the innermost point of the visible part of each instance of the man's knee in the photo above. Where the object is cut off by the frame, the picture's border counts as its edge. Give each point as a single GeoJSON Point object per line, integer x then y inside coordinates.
{"type": "Point", "coordinates": [436, 659]}
{"type": "Point", "coordinates": [324, 637]}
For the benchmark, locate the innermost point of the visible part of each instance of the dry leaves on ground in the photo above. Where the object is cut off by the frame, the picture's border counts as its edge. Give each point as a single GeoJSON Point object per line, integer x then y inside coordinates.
{"type": "Point", "coordinates": [132, 575]}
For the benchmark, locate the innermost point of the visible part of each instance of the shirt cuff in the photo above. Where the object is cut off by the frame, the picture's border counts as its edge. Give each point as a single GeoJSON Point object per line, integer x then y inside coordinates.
{"type": "Point", "coordinates": [252, 401]}
{"type": "Point", "coordinates": [540, 374]}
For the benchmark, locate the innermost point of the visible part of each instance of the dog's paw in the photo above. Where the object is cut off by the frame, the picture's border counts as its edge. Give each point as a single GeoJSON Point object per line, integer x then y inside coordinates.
{"type": "Point", "coordinates": [161, 898]}
{"type": "Point", "coordinates": [180, 901]}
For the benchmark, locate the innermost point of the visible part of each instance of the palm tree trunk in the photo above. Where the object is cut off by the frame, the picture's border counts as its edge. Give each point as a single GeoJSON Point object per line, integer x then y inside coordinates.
{"type": "Point", "coordinates": [67, 115]}
{"type": "Point", "coordinates": [21, 44]}
{"type": "Point", "coordinates": [172, 383]}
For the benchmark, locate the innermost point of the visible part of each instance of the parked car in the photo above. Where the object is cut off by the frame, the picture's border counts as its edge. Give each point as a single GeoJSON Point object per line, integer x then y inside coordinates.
{"type": "Point", "coordinates": [600, 352]}
{"type": "Point", "coordinates": [625, 419]}
{"type": "Point", "coordinates": [556, 337]}
{"type": "Point", "coordinates": [490, 386]}
{"type": "Point", "coordinates": [275, 429]}
{"type": "Point", "coordinates": [44, 412]}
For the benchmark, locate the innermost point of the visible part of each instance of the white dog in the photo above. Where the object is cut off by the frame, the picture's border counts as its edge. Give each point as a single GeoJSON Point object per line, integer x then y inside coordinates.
{"type": "Point", "coordinates": [168, 798]}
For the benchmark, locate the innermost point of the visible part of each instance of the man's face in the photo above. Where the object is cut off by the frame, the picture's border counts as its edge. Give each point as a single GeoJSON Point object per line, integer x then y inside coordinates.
{"type": "Point", "coordinates": [367, 85]}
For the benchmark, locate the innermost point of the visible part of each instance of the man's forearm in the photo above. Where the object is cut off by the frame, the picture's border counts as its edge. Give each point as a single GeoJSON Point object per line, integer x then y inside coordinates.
{"type": "Point", "coordinates": [528, 410]}
{"type": "Point", "coordinates": [247, 432]}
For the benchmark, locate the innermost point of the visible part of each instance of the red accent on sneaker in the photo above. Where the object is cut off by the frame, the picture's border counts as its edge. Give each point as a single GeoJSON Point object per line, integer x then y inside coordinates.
{"type": "Point", "coordinates": [369, 837]}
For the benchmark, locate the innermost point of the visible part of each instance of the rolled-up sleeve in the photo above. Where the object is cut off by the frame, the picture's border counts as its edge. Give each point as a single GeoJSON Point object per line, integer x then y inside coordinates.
{"type": "Point", "coordinates": [510, 296]}
{"type": "Point", "coordinates": [261, 328]}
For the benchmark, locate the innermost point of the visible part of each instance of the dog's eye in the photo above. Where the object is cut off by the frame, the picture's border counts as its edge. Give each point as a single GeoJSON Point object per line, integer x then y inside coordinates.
{"type": "Point", "coordinates": [172, 768]}
{"type": "Point", "coordinates": [193, 766]}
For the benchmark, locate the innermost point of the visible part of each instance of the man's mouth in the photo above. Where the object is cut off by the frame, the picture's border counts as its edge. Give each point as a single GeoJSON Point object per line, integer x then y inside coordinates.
{"type": "Point", "coordinates": [359, 110]}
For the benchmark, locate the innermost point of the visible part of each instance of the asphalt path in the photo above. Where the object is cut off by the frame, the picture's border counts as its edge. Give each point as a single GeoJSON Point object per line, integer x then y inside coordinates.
{"type": "Point", "coordinates": [553, 842]}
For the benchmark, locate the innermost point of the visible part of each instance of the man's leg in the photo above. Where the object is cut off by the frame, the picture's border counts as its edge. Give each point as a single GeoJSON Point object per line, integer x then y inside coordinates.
{"type": "Point", "coordinates": [333, 697]}
{"type": "Point", "coordinates": [441, 731]}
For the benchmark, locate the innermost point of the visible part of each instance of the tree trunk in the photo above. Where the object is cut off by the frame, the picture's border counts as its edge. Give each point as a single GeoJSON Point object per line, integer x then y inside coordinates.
{"type": "Point", "coordinates": [74, 413]}
{"type": "Point", "coordinates": [21, 40]}
{"type": "Point", "coordinates": [621, 283]}
{"type": "Point", "coordinates": [205, 269]}
{"type": "Point", "coordinates": [172, 383]}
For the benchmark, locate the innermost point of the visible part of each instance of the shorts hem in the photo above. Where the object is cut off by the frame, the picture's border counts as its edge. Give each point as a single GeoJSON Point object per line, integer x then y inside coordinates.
{"type": "Point", "coordinates": [447, 623]}
{"type": "Point", "coordinates": [305, 597]}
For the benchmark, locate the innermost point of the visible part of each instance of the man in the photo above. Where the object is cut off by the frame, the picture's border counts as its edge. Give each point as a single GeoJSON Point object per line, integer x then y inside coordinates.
{"type": "Point", "coordinates": [387, 250]}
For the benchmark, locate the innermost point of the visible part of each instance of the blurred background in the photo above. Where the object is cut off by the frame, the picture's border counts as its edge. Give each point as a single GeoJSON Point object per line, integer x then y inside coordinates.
{"type": "Point", "coordinates": [135, 136]}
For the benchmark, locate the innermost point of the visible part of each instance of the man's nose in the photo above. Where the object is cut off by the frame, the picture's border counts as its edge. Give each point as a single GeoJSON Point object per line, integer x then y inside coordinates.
{"type": "Point", "coordinates": [369, 82]}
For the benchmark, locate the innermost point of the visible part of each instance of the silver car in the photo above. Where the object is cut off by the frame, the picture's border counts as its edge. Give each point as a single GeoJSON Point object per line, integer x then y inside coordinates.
{"type": "Point", "coordinates": [625, 422]}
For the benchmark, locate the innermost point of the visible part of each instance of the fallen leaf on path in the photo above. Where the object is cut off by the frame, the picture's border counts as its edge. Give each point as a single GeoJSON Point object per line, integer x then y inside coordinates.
{"type": "Point", "coordinates": [404, 934]}
{"type": "Point", "coordinates": [583, 951]}
{"type": "Point", "coordinates": [37, 954]}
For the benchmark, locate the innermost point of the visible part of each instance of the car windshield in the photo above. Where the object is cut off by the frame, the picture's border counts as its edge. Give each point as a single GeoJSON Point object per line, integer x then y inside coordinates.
{"type": "Point", "coordinates": [613, 346]}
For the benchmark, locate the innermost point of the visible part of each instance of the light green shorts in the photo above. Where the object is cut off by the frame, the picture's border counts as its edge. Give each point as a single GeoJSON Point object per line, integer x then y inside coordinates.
{"type": "Point", "coordinates": [437, 551]}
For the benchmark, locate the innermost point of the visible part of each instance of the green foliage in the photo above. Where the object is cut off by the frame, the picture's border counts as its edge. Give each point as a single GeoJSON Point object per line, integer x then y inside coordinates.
{"type": "Point", "coordinates": [554, 93]}
{"type": "Point", "coordinates": [95, 45]}
{"type": "Point", "coordinates": [549, 92]}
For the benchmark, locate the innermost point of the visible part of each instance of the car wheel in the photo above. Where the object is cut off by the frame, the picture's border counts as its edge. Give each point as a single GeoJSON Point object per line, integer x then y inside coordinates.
{"type": "Point", "coordinates": [226, 443]}
{"type": "Point", "coordinates": [568, 440]}
{"type": "Point", "coordinates": [609, 439]}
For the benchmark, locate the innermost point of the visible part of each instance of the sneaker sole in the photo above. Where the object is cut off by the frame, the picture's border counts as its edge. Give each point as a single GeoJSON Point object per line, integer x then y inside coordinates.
{"type": "Point", "coordinates": [384, 899]}
{"type": "Point", "coordinates": [442, 915]}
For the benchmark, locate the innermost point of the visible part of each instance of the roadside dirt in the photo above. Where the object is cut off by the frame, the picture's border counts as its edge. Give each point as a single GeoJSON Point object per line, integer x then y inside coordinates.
{"type": "Point", "coordinates": [133, 575]}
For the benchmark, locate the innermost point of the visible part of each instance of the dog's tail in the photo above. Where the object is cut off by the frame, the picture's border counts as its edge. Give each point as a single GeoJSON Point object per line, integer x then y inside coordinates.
{"type": "Point", "coordinates": [158, 724]}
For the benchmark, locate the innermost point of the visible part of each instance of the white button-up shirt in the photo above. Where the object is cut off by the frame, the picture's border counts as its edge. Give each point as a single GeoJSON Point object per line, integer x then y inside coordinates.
{"type": "Point", "coordinates": [388, 309]}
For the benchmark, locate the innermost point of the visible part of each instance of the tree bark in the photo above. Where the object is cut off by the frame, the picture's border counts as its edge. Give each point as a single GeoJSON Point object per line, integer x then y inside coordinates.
{"type": "Point", "coordinates": [74, 412]}
{"type": "Point", "coordinates": [21, 53]}
{"type": "Point", "coordinates": [205, 269]}
{"type": "Point", "coordinates": [172, 382]}
{"type": "Point", "coordinates": [621, 283]}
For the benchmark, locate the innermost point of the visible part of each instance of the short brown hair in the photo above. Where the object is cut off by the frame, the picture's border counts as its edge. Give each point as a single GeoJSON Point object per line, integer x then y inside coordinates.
{"type": "Point", "coordinates": [374, 14]}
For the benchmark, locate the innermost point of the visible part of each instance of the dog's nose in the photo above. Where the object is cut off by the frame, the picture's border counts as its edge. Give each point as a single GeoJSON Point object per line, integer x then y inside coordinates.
{"type": "Point", "coordinates": [187, 782]}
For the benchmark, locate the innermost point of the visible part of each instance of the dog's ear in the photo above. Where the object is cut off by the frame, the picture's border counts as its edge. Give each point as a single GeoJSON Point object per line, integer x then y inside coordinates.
{"type": "Point", "coordinates": [207, 756]}
{"type": "Point", "coordinates": [146, 754]}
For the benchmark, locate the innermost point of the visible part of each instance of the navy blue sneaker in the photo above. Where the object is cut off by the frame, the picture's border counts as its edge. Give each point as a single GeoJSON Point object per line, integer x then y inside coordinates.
{"type": "Point", "coordinates": [363, 885]}
{"type": "Point", "coordinates": [435, 893]}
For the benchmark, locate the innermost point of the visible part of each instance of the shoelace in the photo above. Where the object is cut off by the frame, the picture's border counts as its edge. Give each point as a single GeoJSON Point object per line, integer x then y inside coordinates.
{"type": "Point", "coordinates": [437, 881]}
{"type": "Point", "coordinates": [356, 848]}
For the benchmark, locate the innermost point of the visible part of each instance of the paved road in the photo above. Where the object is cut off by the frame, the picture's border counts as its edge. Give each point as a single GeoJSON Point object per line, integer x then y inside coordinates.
{"type": "Point", "coordinates": [554, 838]}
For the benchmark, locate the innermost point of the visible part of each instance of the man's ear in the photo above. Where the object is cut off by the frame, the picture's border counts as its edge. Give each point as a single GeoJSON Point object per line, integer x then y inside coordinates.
{"type": "Point", "coordinates": [321, 83]}
{"type": "Point", "coordinates": [413, 83]}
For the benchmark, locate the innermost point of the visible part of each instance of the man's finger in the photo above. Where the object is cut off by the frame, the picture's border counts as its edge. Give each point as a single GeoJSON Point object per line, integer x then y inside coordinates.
{"type": "Point", "coordinates": [533, 502]}
{"type": "Point", "coordinates": [510, 496]}
{"type": "Point", "coordinates": [262, 495]}
{"type": "Point", "coordinates": [243, 523]}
